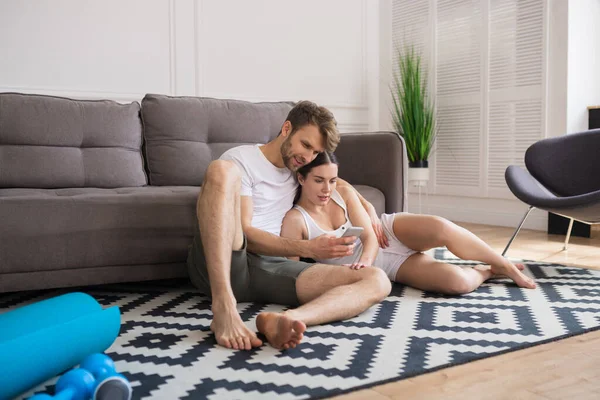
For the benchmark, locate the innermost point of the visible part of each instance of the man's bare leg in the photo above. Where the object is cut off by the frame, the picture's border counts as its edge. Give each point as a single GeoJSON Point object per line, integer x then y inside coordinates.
{"type": "Point", "coordinates": [424, 232]}
{"type": "Point", "coordinates": [327, 293]}
{"type": "Point", "coordinates": [218, 211]}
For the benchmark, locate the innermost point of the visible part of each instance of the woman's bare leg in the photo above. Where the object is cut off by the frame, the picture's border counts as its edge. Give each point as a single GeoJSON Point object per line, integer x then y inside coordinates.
{"type": "Point", "coordinates": [424, 232]}
{"type": "Point", "coordinates": [425, 273]}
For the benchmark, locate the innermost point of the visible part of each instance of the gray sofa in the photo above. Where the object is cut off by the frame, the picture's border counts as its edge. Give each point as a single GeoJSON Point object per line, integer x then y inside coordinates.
{"type": "Point", "coordinates": [95, 192]}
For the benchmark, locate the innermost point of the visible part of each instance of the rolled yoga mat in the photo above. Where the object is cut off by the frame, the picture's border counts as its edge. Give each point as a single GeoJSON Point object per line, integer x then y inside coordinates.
{"type": "Point", "coordinates": [44, 339]}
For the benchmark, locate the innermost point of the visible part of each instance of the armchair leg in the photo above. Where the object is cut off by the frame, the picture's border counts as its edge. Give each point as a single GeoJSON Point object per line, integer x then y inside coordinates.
{"type": "Point", "coordinates": [517, 230]}
{"type": "Point", "coordinates": [568, 234]}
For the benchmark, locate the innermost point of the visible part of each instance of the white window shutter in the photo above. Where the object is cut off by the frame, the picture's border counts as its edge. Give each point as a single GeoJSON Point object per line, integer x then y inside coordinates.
{"type": "Point", "coordinates": [516, 77]}
{"type": "Point", "coordinates": [410, 25]}
{"type": "Point", "coordinates": [458, 96]}
{"type": "Point", "coordinates": [489, 62]}
{"type": "Point", "coordinates": [458, 148]}
{"type": "Point", "coordinates": [514, 126]}
{"type": "Point", "coordinates": [458, 39]}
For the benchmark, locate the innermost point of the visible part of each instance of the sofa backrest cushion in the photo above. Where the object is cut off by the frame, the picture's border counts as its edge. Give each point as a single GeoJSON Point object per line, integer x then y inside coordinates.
{"type": "Point", "coordinates": [182, 135]}
{"type": "Point", "coordinates": [53, 142]}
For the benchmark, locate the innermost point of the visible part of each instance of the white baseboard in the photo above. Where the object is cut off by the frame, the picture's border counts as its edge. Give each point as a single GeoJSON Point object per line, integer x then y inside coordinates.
{"type": "Point", "coordinates": [497, 212]}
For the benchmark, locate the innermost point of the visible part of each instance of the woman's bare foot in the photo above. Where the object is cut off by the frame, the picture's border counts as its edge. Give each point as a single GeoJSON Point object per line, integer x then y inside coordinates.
{"type": "Point", "coordinates": [513, 271]}
{"type": "Point", "coordinates": [520, 267]}
{"type": "Point", "coordinates": [491, 275]}
{"type": "Point", "coordinates": [230, 331]}
{"type": "Point", "coordinates": [281, 331]}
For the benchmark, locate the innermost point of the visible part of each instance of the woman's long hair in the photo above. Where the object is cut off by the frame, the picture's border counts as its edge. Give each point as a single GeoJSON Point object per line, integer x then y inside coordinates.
{"type": "Point", "coordinates": [321, 158]}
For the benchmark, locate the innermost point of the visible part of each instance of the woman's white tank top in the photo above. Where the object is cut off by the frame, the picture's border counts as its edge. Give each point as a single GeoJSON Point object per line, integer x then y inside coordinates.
{"type": "Point", "coordinates": [315, 230]}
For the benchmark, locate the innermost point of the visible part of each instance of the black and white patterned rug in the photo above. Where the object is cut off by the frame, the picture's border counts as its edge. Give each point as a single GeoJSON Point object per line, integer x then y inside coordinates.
{"type": "Point", "coordinates": [168, 352]}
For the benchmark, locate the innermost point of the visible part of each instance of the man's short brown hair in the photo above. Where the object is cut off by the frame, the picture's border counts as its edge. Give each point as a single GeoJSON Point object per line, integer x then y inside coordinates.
{"type": "Point", "coordinates": [308, 113]}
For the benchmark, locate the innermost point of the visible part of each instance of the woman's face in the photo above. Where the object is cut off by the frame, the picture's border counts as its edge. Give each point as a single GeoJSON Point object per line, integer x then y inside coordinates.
{"type": "Point", "coordinates": [319, 183]}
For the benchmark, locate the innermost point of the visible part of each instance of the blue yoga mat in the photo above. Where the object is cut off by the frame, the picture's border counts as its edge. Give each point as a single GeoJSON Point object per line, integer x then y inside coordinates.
{"type": "Point", "coordinates": [44, 339]}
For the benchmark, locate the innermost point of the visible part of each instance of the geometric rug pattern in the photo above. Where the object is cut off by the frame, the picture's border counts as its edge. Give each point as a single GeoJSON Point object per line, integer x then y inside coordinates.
{"type": "Point", "coordinates": [167, 351]}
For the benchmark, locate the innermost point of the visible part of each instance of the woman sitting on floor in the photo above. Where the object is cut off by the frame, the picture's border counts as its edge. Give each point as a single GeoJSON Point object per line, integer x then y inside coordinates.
{"type": "Point", "coordinates": [322, 210]}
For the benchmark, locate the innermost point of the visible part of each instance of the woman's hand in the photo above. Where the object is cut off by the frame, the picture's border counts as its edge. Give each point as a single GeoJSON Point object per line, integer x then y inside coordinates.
{"type": "Point", "coordinates": [362, 263]}
{"type": "Point", "coordinates": [355, 265]}
{"type": "Point", "coordinates": [378, 228]}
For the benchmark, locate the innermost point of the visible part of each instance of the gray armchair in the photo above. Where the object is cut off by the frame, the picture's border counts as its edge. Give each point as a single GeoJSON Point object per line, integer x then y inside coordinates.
{"type": "Point", "coordinates": [562, 176]}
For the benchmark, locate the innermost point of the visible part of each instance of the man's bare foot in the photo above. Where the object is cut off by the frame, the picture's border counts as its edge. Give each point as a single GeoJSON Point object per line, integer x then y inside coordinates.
{"type": "Point", "coordinates": [513, 271]}
{"type": "Point", "coordinates": [230, 331]}
{"type": "Point", "coordinates": [281, 331]}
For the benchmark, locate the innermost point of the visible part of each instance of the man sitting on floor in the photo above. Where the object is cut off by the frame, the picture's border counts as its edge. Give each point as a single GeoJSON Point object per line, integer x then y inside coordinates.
{"type": "Point", "coordinates": [238, 256]}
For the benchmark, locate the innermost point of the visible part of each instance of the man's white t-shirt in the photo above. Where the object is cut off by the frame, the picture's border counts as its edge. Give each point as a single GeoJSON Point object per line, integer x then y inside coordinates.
{"type": "Point", "coordinates": [272, 189]}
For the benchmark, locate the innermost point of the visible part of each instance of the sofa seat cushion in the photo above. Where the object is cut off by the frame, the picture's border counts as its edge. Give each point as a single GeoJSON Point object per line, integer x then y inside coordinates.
{"type": "Point", "coordinates": [51, 229]}
{"type": "Point", "coordinates": [54, 229]}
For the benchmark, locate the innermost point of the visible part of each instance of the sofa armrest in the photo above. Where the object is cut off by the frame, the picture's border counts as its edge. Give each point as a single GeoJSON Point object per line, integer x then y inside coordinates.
{"type": "Point", "coordinates": [376, 159]}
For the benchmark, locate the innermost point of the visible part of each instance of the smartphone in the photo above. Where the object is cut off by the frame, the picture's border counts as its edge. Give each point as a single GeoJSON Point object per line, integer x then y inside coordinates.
{"type": "Point", "coordinates": [354, 231]}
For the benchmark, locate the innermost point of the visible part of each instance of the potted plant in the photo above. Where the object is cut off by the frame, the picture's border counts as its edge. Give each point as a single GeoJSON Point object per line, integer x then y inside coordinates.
{"type": "Point", "coordinates": [414, 113]}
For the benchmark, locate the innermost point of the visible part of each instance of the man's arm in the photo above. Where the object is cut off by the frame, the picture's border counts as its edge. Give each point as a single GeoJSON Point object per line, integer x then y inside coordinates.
{"type": "Point", "coordinates": [370, 209]}
{"type": "Point", "coordinates": [266, 243]}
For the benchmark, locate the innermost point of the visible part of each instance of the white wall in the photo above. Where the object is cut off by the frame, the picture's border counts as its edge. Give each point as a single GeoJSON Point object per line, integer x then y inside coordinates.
{"type": "Point", "coordinates": [385, 66]}
{"type": "Point", "coordinates": [583, 62]}
{"type": "Point", "coordinates": [259, 50]}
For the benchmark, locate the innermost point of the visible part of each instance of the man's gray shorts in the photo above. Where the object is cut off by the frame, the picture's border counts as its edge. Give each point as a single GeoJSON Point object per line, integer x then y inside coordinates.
{"type": "Point", "coordinates": [256, 278]}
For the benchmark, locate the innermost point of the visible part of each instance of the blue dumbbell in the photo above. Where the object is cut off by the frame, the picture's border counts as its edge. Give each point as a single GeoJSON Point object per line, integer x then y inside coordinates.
{"type": "Point", "coordinates": [110, 385]}
{"type": "Point", "coordinates": [77, 384]}
{"type": "Point", "coordinates": [95, 378]}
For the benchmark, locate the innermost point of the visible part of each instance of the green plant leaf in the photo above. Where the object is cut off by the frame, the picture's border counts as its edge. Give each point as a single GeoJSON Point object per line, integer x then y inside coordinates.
{"type": "Point", "coordinates": [413, 115]}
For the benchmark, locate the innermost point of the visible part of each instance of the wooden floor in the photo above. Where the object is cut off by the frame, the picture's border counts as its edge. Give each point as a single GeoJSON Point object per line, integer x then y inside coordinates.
{"type": "Point", "coordinates": [566, 369]}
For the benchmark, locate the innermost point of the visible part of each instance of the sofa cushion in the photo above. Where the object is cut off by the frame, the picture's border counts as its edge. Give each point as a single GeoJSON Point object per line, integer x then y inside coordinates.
{"type": "Point", "coordinates": [373, 196]}
{"type": "Point", "coordinates": [182, 135]}
{"type": "Point", "coordinates": [46, 229]}
{"type": "Point", "coordinates": [53, 142]}
{"type": "Point", "coordinates": [61, 229]}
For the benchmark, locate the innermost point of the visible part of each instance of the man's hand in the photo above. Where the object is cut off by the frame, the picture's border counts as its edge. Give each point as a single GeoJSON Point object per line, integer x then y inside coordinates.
{"type": "Point", "coordinates": [326, 246]}
{"type": "Point", "coordinates": [378, 228]}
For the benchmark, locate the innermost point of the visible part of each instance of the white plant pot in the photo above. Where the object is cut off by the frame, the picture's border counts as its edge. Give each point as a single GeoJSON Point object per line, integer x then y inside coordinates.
{"type": "Point", "coordinates": [418, 176]}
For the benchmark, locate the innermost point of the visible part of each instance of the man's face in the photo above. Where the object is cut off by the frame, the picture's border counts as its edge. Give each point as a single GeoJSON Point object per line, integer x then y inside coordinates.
{"type": "Point", "coordinates": [301, 147]}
